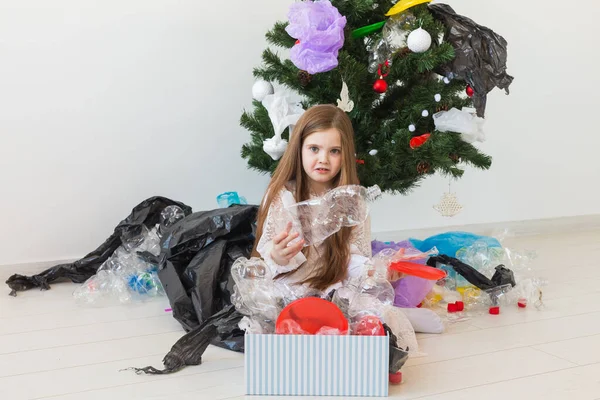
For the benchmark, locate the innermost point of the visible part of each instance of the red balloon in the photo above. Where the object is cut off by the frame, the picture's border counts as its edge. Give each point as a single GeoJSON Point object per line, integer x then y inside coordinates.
{"type": "Point", "coordinates": [380, 86]}
{"type": "Point", "coordinates": [470, 91]}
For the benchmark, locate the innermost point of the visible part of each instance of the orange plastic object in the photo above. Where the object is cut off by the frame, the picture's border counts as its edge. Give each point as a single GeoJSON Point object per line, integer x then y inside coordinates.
{"type": "Point", "coordinates": [312, 314]}
{"type": "Point", "coordinates": [421, 271]}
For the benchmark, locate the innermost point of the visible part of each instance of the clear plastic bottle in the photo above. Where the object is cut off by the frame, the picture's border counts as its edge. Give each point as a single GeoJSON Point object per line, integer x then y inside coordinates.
{"type": "Point", "coordinates": [317, 219]}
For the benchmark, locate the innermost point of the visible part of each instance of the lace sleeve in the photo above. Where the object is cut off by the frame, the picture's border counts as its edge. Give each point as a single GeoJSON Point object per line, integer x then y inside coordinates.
{"type": "Point", "coordinates": [274, 224]}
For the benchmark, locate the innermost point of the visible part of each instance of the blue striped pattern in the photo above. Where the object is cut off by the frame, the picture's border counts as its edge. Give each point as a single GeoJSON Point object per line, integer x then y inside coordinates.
{"type": "Point", "coordinates": [304, 365]}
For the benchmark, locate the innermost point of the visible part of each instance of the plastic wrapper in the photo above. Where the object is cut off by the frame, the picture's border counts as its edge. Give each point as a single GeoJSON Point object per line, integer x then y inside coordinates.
{"type": "Point", "coordinates": [126, 276]}
{"type": "Point", "coordinates": [480, 54]}
{"type": "Point", "coordinates": [321, 217]}
{"type": "Point", "coordinates": [469, 125]}
{"type": "Point", "coordinates": [257, 295]}
{"type": "Point", "coordinates": [452, 243]}
{"type": "Point", "coordinates": [319, 27]}
{"type": "Point", "coordinates": [409, 290]}
{"type": "Point", "coordinates": [147, 213]}
{"type": "Point", "coordinates": [228, 198]}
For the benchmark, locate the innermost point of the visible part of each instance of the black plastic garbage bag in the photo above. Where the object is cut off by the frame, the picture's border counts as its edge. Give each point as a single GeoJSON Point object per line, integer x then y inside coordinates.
{"type": "Point", "coordinates": [196, 261]}
{"type": "Point", "coordinates": [189, 349]}
{"type": "Point", "coordinates": [195, 270]}
{"type": "Point", "coordinates": [146, 213]}
{"type": "Point", "coordinates": [480, 54]}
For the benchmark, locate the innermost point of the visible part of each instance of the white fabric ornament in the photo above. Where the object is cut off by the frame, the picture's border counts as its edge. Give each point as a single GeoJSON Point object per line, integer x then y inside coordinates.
{"type": "Point", "coordinates": [446, 80]}
{"type": "Point", "coordinates": [412, 128]}
{"type": "Point", "coordinates": [448, 205]}
{"type": "Point", "coordinates": [419, 41]}
{"type": "Point", "coordinates": [373, 152]}
{"type": "Point", "coordinates": [344, 101]}
{"type": "Point", "coordinates": [465, 121]}
{"type": "Point", "coordinates": [261, 89]}
{"type": "Point", "coordinates": [275, 147]}
{"type": "Point", "coordinates": [438, 97]}
{"type": "Point", "coordinates": [425, 113]}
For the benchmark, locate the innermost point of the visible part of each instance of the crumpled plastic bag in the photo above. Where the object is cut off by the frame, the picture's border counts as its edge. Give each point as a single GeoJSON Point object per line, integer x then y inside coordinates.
{"type": "Point", "coordinates": [469, 125]}
{"type": "Point", "coordinates": [147, 213]}
{"type": "Point", "coordinates": [480, 54]}
{"type": "Point", "coordinates": [195, 270]}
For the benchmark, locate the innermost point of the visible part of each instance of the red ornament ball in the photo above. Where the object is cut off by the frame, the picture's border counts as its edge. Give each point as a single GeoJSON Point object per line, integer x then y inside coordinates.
{"type": "Point", "coordinates": [380, 86]}
{"type": "Point", "coordinates": [470, 91]}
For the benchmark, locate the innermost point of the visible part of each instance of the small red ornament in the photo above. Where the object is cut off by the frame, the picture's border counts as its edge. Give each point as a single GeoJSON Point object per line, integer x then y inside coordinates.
{"type": "Point", "coordinates": [381, 85]}
{"type": "Point", "coordinates": [470, 91]}
{"type": "Point", "coordinates": [361, 162]}
{"type": "Point", "coordinates": [419, 140]}
{"type": "Point", "coordinates": [298, 41]}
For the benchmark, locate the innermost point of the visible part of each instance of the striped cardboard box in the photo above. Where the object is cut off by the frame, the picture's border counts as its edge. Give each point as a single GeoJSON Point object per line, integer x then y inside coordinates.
{"type": "Point", "coordinates": [306, 365]}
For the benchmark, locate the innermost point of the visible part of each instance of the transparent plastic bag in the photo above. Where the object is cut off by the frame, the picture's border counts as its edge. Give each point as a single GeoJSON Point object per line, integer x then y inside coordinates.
{"type": "Point", "coordinates": [464, 121]}
{"type": "Point", "coordinates": [126, 276]}
{"type": "Point", "coordinates": [321, 217]}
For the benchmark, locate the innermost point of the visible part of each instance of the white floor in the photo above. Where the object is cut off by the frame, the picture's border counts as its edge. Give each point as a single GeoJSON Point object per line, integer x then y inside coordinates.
{"type": "Point", "coordinates": [50, 348]}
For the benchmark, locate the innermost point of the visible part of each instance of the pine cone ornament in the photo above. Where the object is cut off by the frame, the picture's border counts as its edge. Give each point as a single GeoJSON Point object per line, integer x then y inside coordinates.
{"type": "Point", "coordinates": [304, 78]}
{"type": "Point", "coordinates": [455, 158]}
{"type": "Point", "coordinates": [423, 167]}
{"type": "Point", "coordinates": [403, 51]}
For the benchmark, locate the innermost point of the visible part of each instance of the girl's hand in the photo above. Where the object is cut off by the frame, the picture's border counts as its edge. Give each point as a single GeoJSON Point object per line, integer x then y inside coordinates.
{"type": "Point", "coordinates": [281, 252]}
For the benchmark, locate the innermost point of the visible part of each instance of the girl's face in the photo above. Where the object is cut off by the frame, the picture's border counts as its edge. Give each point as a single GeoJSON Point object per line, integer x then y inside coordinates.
{"type": "Point", "coordinates": [322, 158]}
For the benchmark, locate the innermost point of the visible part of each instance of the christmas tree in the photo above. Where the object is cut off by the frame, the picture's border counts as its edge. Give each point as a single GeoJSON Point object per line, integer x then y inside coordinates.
{"type": "Point", "coordinates": [408, 74]}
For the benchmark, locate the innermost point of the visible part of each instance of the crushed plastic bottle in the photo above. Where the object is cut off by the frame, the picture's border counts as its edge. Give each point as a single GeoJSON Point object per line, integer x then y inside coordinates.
{"type": "Point", "coordinates": [345, 206]}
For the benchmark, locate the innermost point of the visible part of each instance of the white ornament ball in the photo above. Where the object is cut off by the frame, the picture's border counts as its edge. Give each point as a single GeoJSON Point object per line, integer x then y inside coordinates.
{"type": "Point", "coordinates": [412, 128]}
{"type": "Point", "coordinates": [262, 89]}
{"type": "Point", "coordinates": [393, 142]}
{"type": "Point", "coordinates": [438, 97]}
{"type": "Point", "coordinates": [446, 80]}
{"type": "Point", "coordinates": [419, 41]}
{"type": "Point", "coordinates": [373, 152]}
{"type": "Point", "coordinates": [425, 113]}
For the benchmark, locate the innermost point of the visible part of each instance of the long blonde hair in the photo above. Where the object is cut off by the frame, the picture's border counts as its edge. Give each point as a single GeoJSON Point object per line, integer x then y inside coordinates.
{"type": "Point", "coordinates": [335, 258]}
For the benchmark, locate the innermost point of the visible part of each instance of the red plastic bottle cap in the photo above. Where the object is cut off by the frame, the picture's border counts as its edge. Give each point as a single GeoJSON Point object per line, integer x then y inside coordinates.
{"type": "Point", "coordinates": [396, 379]}
{"type": "Point", "coordinates": [522, 304]}
{"type": "Point", "coordinates": [420, 305]}
{"type": "Point", "coordinates": [494, 310]}
{"type": "Point", "coordinates": [460, 306]}
{"type": "Point", "coordinates": [452, 308]}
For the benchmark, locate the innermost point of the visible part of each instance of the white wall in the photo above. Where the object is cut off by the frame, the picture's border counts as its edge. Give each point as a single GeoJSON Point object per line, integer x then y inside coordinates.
{"type": "Point", "coordinates": [103, 104]}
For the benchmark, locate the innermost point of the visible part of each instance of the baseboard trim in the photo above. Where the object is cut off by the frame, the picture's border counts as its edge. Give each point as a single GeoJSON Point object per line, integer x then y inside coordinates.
{"type": "Point", "coordinates": [503, 229]}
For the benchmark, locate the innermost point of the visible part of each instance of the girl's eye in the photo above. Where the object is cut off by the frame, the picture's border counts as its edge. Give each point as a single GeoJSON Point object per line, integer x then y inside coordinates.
{"type": "Point", "coordinates": [336, 151]}
{"type": "Point", "coordinates": [314, 149]}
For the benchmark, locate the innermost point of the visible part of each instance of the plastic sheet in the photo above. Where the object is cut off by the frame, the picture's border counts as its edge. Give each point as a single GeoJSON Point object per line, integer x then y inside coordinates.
{"type": "Point", "coordinates": [321, 217]}
{"type": "Point", "coordinates": [451, 243]}
{"type": "Point", "coordinates": [469, 126]}
{"type": "Point", "coordinates": [480, 54]}
{"type": "Point", "coordinates": [147, 213]}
